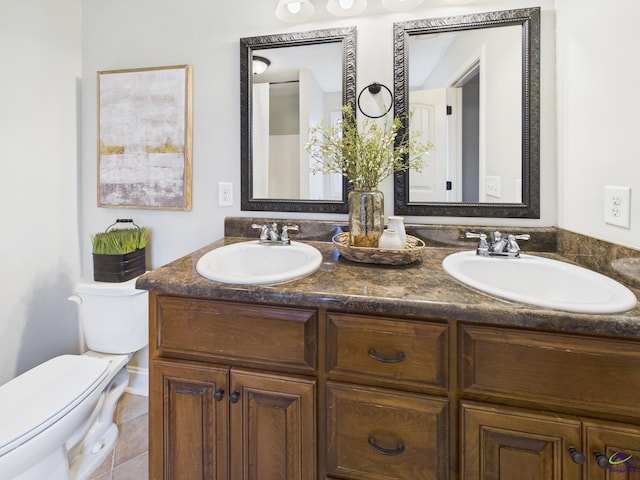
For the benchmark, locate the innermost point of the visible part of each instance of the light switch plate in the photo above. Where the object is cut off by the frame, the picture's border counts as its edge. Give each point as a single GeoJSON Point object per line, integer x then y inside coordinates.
{"type": "Point", "coordinates": [617, 206]}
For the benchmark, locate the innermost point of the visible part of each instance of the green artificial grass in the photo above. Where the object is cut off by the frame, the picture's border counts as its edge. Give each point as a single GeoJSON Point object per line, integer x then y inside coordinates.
{"type": "Point", "coordinates": [119, 241]}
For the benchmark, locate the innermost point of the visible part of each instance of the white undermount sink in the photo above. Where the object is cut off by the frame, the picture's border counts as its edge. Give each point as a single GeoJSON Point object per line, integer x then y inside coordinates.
{"type": "Point", "coordinates": [252, 263]}
{"type": "Point", "coordinates": [542, 282]}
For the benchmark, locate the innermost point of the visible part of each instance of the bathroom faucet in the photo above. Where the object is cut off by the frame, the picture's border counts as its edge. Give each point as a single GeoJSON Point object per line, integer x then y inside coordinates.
{"type": "Point", "coordinates": [500, 246]}
{"type": "Point", "coordinates": [269, 234]}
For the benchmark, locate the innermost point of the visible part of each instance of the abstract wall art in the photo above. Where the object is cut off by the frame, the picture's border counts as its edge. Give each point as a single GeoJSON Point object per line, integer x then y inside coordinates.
{"type": "Point", "coordinates": [144, 138]}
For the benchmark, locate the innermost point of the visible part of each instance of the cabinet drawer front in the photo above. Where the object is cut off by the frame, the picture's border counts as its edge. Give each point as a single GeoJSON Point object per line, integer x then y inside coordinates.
{"type": "Point", "coordinates": [383, 434]}
{"type": "Point", "coordinates": [228, 332]}
{"type": "Point", "coordinates": [388, 349]}
{"type": "Point", "coordinates": [556, 369]}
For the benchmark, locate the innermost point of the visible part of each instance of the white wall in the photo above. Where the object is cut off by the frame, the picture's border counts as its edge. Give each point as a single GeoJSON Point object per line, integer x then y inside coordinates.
{"type": "Point", "coordinates": [145, 33]}
{"type": "Point", "coordinates": [39, 252]}
{"type": "Point", "coordinates": [48, 180]}
{"type": "Point", "coordinates": [598, 111]}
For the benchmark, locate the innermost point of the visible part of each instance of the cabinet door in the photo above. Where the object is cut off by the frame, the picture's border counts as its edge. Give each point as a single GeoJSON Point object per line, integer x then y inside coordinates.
{"type": "Point", "coordinates": [273, 427]}
{"type": "Point", "coordinates": [612, 450]}
{"type": "Point", "coordinates": [188, 421]}
{"type": "Point", "coordinates": [501, 443]}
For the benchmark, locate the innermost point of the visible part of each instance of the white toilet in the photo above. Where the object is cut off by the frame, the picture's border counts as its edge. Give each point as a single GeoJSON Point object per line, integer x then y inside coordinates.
{"type": "Point", "coordinates": [56, 420]}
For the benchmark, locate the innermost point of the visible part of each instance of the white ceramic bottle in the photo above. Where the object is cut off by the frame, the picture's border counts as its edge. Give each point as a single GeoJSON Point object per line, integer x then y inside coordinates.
{"type": "Point", "coordinates": [397, 224]}
{"type": "Point", "coordinates": [390, 239]}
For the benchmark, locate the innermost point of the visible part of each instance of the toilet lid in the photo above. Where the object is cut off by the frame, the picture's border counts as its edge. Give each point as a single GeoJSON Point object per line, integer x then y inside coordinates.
{"type": "Point", "coordinates": [40, 397]}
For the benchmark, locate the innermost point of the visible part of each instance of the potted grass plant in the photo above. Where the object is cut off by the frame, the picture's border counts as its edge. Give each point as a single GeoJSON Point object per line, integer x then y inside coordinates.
{"type": "Point", "coordinates": [365, 156]}
{"type": "Point", "coordinates": [119, 253]}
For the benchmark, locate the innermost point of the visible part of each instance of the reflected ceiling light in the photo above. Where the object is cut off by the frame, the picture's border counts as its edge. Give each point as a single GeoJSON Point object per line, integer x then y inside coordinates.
{"type": "Point", "coordinates": [346, 8]}
{"type": "Point", "coordinates": [294, 10]}
{"type": "Point", "coordinates": [260, 64]}
{"type": "Point", "coordinates": [458, 2]}
{"type": "Point", "coordinates": [400, 5]}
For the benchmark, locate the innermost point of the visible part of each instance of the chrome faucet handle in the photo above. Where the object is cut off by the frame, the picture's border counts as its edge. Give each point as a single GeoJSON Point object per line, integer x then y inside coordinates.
{"type": "Point", "coordinates": [264, 230]}
{"type": "Point", "coordinates": [513, 246]}
{"type": "Point", "coordinates": [285, 231]}
{"type": "Point", "coordinates": [483, 247]}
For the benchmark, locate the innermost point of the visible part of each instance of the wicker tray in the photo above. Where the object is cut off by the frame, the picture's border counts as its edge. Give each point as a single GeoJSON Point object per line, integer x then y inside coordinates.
{"type": "Point", "coordinates": [383, 256]}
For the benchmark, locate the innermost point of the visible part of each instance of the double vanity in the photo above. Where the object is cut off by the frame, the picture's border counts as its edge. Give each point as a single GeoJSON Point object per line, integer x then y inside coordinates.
{"type": "Point", "coordinates": [361, 371]}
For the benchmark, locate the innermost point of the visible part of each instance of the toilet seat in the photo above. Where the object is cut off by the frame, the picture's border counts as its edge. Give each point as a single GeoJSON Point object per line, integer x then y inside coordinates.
{"type": "Point", "coordinates": [38, 398]}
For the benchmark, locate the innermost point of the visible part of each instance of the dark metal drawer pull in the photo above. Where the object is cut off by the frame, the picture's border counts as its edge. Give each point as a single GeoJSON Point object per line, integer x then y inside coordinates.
{"type": "Point", "coordinates": [398, 358]}
{"type": "Point", "coordinates": [386, 451]}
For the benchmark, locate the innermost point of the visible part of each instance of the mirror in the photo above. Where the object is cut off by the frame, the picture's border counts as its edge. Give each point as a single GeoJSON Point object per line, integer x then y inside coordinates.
{"type": "Point", "coordinates": [309, 76]}
{"type": "Point", "coordinates": [471, 86]}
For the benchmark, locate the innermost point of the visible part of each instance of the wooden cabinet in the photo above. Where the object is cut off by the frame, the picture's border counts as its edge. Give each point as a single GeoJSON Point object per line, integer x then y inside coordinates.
{"type": "Point", "coordinates": [188, 425]}
{"type": "Point", "coordinates": [272, 427]}
{"type": "Point", "coordinates": [612, 450]}
{"type": "Point", "coordinates": [231, 420]}
{"type": "Point", "coordinates": [278, 338]}
{"type": "Point", "coordinates": [378, 433]}
{"type": "Point", "coordinates": [548, 371]}
{"type": "Point", "coordinates": [260, 392]}
{"type": "Point", "coordinates": [222, 423]}
{"type": "Point", "coordinates": [502, 442]}
{"type": "Point", "coordinates": [395, 432]}
{"type": "Point", "coordinates": [551, 369]}
{"type": "Point", "coordinates": [388, 351]}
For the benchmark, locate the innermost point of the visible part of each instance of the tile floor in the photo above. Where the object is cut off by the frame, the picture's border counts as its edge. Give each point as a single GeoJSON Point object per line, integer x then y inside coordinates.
{"type": "Point", "coordinates": [130, 457]}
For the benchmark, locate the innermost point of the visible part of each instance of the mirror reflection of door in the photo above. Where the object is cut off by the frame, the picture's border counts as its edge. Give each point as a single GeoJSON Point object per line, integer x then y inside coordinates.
{"type": "Point", "coordinates": [471, 82]}
{"type": "Point", "coordinates": [427, 120]}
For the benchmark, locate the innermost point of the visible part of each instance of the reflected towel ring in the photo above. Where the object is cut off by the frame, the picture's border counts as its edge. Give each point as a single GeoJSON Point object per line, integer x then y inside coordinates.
{"type": "Point", "coordinates": [375, 89]}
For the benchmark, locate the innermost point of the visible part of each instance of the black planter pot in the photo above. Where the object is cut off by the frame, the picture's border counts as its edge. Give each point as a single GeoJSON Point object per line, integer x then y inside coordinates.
{"type": "Point", "coordinates": [119, 268]}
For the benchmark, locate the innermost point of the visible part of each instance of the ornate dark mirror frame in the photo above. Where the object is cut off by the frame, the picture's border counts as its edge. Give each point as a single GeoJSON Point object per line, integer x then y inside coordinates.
{"type": "Point", "coordinates": [252, 45]}
{"type": "Point", "coordinates": [529, 19]}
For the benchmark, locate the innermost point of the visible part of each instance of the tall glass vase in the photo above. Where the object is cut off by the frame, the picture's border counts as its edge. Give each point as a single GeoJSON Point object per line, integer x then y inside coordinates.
{"type": "Point", "coordinates": [366, 217]}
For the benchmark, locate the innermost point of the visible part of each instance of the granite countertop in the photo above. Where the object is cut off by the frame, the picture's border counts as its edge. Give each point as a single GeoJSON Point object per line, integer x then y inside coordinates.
{"type": "Point", "coordinates": [422, 290]}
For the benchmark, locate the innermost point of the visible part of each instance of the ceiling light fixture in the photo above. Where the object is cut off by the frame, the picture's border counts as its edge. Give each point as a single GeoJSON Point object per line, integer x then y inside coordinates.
{"type": "Point", "coordinates": [260, 64]}
{"type": "Point", "coordinates": [346, 8]}
{"type": "Point", "coordinates": [400, 5]}
{"type": "Point", "coordinates": [294, 10]}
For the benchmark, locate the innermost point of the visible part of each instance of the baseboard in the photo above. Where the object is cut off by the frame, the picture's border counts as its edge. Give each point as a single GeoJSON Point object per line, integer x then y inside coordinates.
{"type": "Point", "coordinates": [138, 381]}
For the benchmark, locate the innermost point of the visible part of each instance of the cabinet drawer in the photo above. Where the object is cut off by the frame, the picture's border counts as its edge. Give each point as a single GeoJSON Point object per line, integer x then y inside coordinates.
{"type": "Point", "coordinates": [230, 333]}
{"type": "Point", "coordinates": [555, 369]}
{"type": "Point", "coordinates": [374, 434]}
{"type": "Point", "coordinates": [388, 349]}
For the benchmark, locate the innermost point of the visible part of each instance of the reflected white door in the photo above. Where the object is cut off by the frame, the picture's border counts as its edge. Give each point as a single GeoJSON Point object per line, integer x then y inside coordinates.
{"type": "Point", "coordinates": [429, 119]}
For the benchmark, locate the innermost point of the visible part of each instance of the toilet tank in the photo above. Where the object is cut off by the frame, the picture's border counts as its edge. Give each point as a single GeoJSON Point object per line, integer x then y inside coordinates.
{"type": "Point", "coordinates": [114, 316]}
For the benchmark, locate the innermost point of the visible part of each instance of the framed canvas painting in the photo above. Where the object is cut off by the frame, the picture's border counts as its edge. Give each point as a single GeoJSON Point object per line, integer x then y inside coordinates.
{"type": "Point", "coordinates": [144, 138]}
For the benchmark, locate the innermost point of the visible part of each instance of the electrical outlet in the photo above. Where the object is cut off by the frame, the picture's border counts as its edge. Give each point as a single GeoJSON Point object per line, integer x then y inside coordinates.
{"type": "Point", "coordinates": [225, 194]}
{"type": "Point", "coordinates": [492, 186]}
{"type": "Point", "coordinates": [617, 206]}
